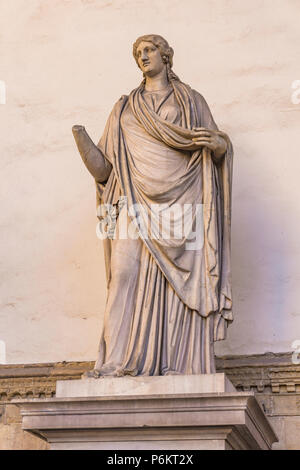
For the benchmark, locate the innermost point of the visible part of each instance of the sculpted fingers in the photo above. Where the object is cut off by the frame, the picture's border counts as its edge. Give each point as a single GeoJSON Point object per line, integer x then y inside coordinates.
{"type": "Point", "coordinates": [204, 144]}
{"type": "Point", "coordinates": [200, 129]}
{"type": "Point", "coordinates": [205, 138]}
{"type": "Point", "coordinates": [203, 134]}
{"type": "Point", "coordinates": [202, 140]}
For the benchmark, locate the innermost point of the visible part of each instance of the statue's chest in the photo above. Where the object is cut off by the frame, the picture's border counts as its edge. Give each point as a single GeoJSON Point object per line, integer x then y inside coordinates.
{"type": "Point", "coordinates": [166, 107]}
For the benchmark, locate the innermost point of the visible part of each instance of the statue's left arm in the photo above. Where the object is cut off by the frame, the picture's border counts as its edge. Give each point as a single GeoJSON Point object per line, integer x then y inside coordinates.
{"type": "Point", "coordinates": [207, 134]}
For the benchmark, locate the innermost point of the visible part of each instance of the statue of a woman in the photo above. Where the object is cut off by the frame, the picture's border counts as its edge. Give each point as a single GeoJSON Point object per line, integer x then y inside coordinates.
{"type": "Point", "coordinates": [161, 151]}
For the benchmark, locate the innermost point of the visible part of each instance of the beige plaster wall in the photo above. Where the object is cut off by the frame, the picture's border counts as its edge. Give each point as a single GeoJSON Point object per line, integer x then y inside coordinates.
{"type": "Point", "coordinates": [67, 62]}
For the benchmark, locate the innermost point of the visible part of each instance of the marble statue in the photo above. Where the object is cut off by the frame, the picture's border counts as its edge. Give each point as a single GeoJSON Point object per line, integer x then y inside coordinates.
{"type": "Point", "coordinates": [161, 153]}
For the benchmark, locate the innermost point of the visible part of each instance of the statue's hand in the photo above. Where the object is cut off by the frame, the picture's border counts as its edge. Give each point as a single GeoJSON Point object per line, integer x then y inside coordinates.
{"type": "Point", "coordinates": [210, 139]}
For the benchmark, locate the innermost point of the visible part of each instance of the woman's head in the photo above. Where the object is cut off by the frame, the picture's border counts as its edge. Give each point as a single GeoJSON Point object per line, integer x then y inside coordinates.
{"type": "Point", "coordinates": [153, 53]}
{"type": "Point", "coordinates": [166, 52]}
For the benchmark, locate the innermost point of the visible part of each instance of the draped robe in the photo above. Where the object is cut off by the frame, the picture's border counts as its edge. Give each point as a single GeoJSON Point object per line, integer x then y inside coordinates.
{"type": "Point", "coordinates": [166, 304]}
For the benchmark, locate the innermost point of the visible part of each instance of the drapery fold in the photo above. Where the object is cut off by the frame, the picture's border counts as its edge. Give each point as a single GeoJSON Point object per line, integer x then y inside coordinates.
{"type": "Point", "coordinates": [133, 138]}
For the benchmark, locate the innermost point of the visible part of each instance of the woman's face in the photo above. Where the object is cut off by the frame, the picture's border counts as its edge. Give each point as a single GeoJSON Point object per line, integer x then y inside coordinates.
{"type": "Point", "coordinates": [149, 58]}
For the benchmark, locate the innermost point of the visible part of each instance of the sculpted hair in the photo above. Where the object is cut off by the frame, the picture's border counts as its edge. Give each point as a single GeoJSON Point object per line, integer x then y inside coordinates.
{"type": "Point", "coordinates": [165, 50]}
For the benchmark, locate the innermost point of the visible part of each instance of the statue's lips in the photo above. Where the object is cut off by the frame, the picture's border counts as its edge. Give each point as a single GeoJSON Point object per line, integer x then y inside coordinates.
{"type": "Point", "coordinates": [145, 64]}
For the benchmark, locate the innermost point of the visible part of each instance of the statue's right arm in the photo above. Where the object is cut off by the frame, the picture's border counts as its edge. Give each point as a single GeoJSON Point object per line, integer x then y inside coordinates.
{"type": "Point", "coordinates": [91, 155]}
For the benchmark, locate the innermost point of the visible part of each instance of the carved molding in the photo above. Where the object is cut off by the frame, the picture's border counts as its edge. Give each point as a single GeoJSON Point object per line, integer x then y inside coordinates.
{"type": "Point", "coordinates": [264, 374]}
{"type": "Point", "coordinates": [37, 380]}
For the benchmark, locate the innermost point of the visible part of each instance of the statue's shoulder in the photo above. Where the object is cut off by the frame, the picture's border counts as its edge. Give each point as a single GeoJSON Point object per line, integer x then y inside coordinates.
{"type": "Point", "coordinates": [118, 106]}
{"type": "Point", "coordinates": [197, 96]}
{"type": "Point", "coordinates": [121, 100]}
{"type": "Point", "coordinates": [200, 102]}
{"type": "Point", "coordinates": [204, 113]}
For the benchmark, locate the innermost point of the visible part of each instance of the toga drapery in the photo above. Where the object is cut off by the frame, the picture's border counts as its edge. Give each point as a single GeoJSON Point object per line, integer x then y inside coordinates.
{"type": "Point", "coordinates": [166, 304]}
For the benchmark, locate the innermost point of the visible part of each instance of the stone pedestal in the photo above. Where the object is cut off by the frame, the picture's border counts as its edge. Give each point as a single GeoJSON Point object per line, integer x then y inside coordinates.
{"type": "Point", "coordinates": [171, 413]}
{"type": "Point", "coordinates": [144, 386]}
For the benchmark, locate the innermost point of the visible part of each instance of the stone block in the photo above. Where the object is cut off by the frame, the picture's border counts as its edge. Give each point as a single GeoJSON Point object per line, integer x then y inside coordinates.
{"type": "Point", "coordinates": [124, 386]}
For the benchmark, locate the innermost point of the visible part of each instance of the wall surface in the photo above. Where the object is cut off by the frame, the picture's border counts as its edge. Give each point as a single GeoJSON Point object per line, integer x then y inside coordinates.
{"type": "Point", "coordinates": [66, 62]}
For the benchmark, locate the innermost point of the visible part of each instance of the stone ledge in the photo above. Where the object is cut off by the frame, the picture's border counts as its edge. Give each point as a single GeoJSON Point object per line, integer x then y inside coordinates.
{"type": "Point", "coordinates": [179, 421]}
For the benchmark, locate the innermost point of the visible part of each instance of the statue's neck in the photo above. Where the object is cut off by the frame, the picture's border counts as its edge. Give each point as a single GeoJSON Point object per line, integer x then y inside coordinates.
{"type": "Point", "coordinates": [158, 82]}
